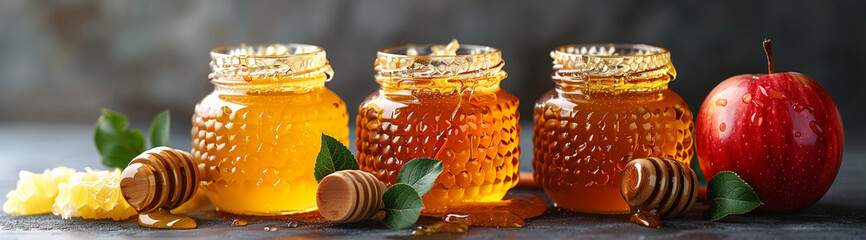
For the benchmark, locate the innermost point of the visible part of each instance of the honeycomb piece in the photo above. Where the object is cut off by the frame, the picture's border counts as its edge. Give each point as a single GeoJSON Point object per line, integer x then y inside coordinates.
{"type": "Point", "coordinates": [92, 195]}
{"type": "Point", "coordinates": [35, 193]}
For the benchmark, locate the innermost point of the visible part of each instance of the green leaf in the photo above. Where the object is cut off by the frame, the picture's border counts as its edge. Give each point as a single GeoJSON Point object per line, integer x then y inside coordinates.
{"type": "Point", "coordinates": [420, 173]}
{"type": "Point", "coordinates": [402, 206]}
{"type": "Point", "coordinates": [160, 134]}
{"type": "Point", "coordinates": [333, 156]}
{"type": "Point", "coordinates": [116, 144]}
{"type": "Point", "coordinates": [729, 195]}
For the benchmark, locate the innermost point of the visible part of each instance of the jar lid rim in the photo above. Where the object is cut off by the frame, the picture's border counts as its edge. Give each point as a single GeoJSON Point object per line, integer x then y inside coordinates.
{"type": "Point", "coordinates": [470, 63]}
{"type": "Point", "coordinates": [282, 63]}
{"type": "Point", "coordinates": [609, 50]}
{"type": "Point", "coordinates": [300, 49]}
{"type": "Point", "coordinates": [465, 50]}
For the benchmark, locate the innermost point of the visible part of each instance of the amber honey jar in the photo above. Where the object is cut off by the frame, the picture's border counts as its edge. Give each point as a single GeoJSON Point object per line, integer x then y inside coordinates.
{"type": "Point", "coordinates": [611, 103]}
{"type": "Point", "coordinates": [256, 136]}
{"type": "Point", "coordinates": [447, 105]}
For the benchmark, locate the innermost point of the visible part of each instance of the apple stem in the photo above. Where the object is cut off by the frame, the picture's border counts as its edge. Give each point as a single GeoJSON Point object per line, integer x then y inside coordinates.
{"type": "Point", "coordinates": [768, 49]}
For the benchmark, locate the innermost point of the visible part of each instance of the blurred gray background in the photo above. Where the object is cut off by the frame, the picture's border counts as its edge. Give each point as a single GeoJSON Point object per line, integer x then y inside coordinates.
{"type": "Point", "coordinates": [62, 61]}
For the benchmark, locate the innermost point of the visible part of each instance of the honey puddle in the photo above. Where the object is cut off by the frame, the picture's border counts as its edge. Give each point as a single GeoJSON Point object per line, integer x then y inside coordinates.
{"type": "Point", "coordinates": [646, 219]}
{"type": "Point", "coordinates": [511, 212]}
{"type": "Point", "coordinates": [165, 219]}
{"type": "Point", "coordinates": [450, 225]}
{"type": "Point", "coordinates": [239, 223]}
{"type": "Point", "coordinates": [304, 220]}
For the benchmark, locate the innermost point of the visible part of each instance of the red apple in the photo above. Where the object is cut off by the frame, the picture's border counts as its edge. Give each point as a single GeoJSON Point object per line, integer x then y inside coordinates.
{"type": "Point", "coordinates": [781, 132]}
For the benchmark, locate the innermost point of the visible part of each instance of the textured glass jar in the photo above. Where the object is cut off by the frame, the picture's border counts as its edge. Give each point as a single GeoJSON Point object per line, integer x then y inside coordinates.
{"type": "Point", "coordinates": [611, 104]}
{"type": "Point", "coordinates": [445, 107]}
{"type": "Point", "coordinates": [258, 133]}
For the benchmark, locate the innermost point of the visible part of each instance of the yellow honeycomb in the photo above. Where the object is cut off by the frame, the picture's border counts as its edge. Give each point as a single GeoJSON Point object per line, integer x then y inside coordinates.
{"type": "Point", "coordinates": [35, 193]}
{"type": "Point", "coordinates": [92, 195]}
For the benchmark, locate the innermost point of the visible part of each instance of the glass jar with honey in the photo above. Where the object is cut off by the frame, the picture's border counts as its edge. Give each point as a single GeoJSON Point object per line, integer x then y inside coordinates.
{"type": "Point", "coordinates": [256, 136]}
{"type": "Point", "coordinates": [442, 102]}
{"type": "Point", "coordinates": [611, 104]}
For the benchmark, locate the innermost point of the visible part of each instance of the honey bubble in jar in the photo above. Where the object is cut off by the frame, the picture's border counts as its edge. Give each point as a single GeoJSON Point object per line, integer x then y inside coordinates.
{"type": "Point", "coordinates": [442, 102]}
{"type": "Point", "coordinates": [611, 104]}
{"type": "Point", "coordinates": [256, 136]}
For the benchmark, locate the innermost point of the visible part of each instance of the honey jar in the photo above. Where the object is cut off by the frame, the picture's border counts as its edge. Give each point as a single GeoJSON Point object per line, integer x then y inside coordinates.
{"type": "Point", "coordinates": [446, 105]}
{"type": "Point", "coordinates": [256, 136]}
{"type": "Point", "coordinates": [611, 104]}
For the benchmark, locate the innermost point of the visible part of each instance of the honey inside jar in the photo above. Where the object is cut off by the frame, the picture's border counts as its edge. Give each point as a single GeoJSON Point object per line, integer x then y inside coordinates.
{"type": "Point", "coordinates": [442, 102]}
{"type": "Point", "coordinates": [258, 133]}
{"type": "Point", "coordinates": [611, 104]}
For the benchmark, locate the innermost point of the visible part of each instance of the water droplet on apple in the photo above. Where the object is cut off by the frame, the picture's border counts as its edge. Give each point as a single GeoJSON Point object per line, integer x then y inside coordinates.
{"type": "Point", "coordinates": [798, 107]}
{"type": "Point", "coordinates": [722, 127]}
{"type": "Point", "coordinates": [797, 134]}
{"type": "Point", "coordinates": [776, 94]}
{"type": "Point", "coordinates": [815, 128]}
{"type": "Point", "coordinates": [721, 102]}
{"type": "Point", "coordinates": [758, 103]}
{"type": "Point", "coordinates": [747, 98]}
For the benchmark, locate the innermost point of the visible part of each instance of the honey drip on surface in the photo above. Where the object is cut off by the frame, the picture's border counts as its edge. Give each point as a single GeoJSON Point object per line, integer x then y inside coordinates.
{"type": "Point", "coordinates": [646, 219]}
{"type": "Point", "coordinates": [239, 223]}
{"type": "Point", "coordinates": [510, 212]}
{"type": "Point", "coordinates": [165, 219]}
{"type": "Point", "coordinates": [449, 225]}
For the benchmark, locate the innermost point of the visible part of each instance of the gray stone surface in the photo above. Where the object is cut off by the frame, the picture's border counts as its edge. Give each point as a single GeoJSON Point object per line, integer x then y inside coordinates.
{"type": "Point", "coordinates": [840, 214]}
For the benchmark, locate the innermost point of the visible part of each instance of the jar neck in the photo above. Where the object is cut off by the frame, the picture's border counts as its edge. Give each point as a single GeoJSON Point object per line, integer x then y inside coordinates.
{"type": "Point", "coordinates": [611, 68]}
{"type": "Point", "coordinates": [275, 68]}
{"type": "Point", "coordinates": [471, 69]}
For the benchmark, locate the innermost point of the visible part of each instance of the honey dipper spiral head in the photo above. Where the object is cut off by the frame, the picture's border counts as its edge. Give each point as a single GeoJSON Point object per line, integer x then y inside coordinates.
{"type": "Point", "coordinates": [665, 185]}
{"type": "Point", "coordinates": [349, 196]}
{"type": "Point", "coordinates": [159, 178]}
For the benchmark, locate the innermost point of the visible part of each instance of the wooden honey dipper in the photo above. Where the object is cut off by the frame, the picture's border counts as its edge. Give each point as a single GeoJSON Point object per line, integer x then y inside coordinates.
{"type": "Point", "coordinates": [349, 196]}
{"type": "Point", "coordinates": [656, 188]}
{"type": "Point", "coordinates": [158, 180]}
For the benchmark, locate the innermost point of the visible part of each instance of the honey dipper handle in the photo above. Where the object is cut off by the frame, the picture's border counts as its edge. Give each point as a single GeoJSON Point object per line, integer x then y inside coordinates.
{"type": "Point", "coordinates": [661, 186]}
{"type": "Point", "coordinates": [159, 178]}
{"type": "Point", "coordinates": [349, 196]}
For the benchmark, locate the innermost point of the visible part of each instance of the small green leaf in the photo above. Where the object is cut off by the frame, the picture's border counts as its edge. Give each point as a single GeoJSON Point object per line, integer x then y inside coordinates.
{"type": "Point", "coordinates": [420, 173]}
{"type": "Point", "coordinates": [729, 195]}
{"type": "Point", "coordinates": [116, 144]}
{"type": "Point", "coordinates": [333, 156]}
{"type": "Point", "coordinates": [160, 132]}
{"type": "Point", "coordinates": [402, 206]}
